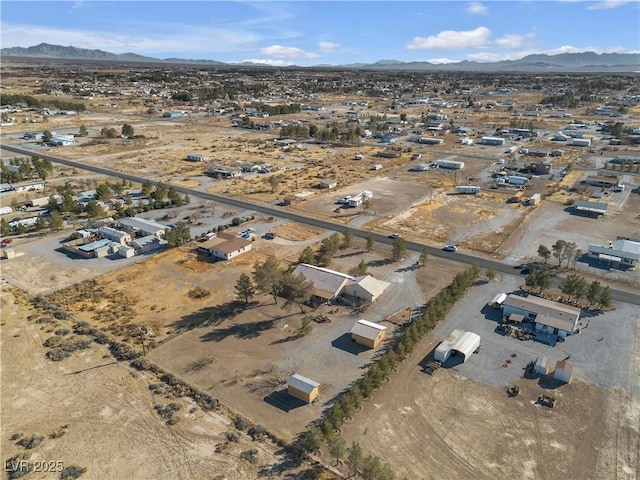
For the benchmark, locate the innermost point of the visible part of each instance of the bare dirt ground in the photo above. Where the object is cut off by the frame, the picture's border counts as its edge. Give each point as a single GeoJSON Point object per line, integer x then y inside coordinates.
{"type": "Point", "coordinates": [448, 426]}
{"type": "Point", "coordinates": [111, 429]}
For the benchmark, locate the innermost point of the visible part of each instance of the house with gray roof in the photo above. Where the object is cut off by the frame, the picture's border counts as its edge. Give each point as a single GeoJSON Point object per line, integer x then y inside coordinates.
{"type": "Point", "coordinates": [621, 253]}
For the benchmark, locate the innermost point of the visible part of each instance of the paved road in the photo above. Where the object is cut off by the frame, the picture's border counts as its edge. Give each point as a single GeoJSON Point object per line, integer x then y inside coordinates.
{"type": "Point", "coordinates": [619, 295]}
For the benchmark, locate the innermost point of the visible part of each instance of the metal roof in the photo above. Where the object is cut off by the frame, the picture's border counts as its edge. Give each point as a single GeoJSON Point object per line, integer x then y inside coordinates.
{"type": "Point", "coordinates": [619, 248]}
{"type": "Point", "coordinates": [366, 329]}
{"type": "Point", "coordinates": [142, 224]}
{"type": "Point", "coordinates": [90, 247]}
{"type": "Point", "coordinates": [326, 283]}
{"type": "Point", "coordinates": [302, 383]}
{"type": "Point", "coordinates": [590, 206]}
{"type": "Point", "coordinates": [371, 285]}
{"type": "Point", "coordinates": [460, 341]}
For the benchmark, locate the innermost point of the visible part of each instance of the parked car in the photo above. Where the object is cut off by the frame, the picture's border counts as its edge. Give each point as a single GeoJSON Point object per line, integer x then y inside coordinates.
{"type": "Point", "coordinates": [269, 236]}
{"type": "Point", "coordinates": [450, 248]}
{"type": "Point", "coordinates": [394, 235]}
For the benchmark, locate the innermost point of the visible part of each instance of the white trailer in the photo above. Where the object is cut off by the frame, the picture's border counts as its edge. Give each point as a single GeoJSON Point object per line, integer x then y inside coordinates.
{"type": "Point", "coordinates": [473, 189]}
{"type": "Point", "coordinates": [450, 164]}
{"type": "Point", "coordinates": [5, 210]}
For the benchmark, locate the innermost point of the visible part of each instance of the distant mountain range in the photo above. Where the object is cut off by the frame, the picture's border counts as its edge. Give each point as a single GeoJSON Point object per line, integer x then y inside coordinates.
{"type": "Point", "coordinates": [565, 62]}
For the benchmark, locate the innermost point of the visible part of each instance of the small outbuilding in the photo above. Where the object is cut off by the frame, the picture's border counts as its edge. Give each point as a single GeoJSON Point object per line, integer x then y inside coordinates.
{"type": "Point", "coordinates": [563, 371]}
{"type": "Point", "coordinates": [327, 183]}
{"type": "Point", "coordinates": [541, 366]}
{"type": "Point", "coordinates": [302, 388]}
{"type": "Point", "coordinates": [368, 333]}
{"type": "Point", "coordinates": [459, 342]}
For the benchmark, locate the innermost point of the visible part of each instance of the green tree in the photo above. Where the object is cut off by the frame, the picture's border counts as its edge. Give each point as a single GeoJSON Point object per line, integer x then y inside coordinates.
{"type": "Point", "coordinates": [296, 290]}
{"type": "Point", "coordinates": [82, 131]}
{"type": "Point", "coordinates": [274, 182]}
{"type": "Point", "coordinates": [160, 192]}
{"type": "Point", "coordinates": [5, 229]}
{"type": "Point", "coordinates": [109, 132]}
{"type": "Point", "coordinates": [544, 252]}
{"type": "Point", "coordinates": [127, 130]}
{"type": "Point", "coordinates": [361, 269]}
{"type": "Point", "coordinates": [580, 288]}
{"type": "Point", "coordinates": [94, 210]}
{"type": "Point", "coordinates": [47, 135]}
{"type": "Point", "coordinates": [311, 440]}
{"type": "Point", "coordinates": [424, 256]}
{"type": "Point", "coordinates": [594, 292]}
{"type": "Point", "coordinates": [307, 256]}
{"type": "Point", "coordinates": [244, 288]}
{"type": "Point", "coordinates": [371, 467]}
{"type": "Point", "coordinates": [354, 457]}
{"type": "Point", "coordinates": [337, 446]}
{"type": "Point", "coordinates": [103, 192]}
{"type": "Point", "coordinates": [347, 237]}
{"type": "Point", "coordinates": [147, 189]}
{"type": "Point", "coordinates": [370, 240]}
{"type": "Point", "coordinates": [605, 300]}
{"type": "Point", "coordinates": [568, 251]}
{"type": "Point", "coordinates": [56, 222]}
{"type": "Point", "coordinates": [490, 274]}
{"type": "Point", "coordinates": [305, 326]}
{"type": "Point", "coordinates": [398, 249]}
{"type": "Point", "coordinates": [558, 250]}
{"type": "Point", "coordinates": [41, 224]}
{"type": "Point", "coordinates": [178, 235]}
{"type": "Point", "coordinates": [268, 277]}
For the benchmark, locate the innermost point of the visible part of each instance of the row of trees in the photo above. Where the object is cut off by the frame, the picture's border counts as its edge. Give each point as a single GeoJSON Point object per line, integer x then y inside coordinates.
{"type": "Point", "coordinates": [33, 102]}
{"type": "Point", "coordinates": [577, 287]}
{"type": "Point", "coordinates": [269, 278]}
{"type": "Point", "coordinates": [561, 251]}
{"type": "Point", "coordinates": [326, 430]}
{"type": "Point", "coordinates": [55, 223]}
{"type": "Point", "coordinates": [127, 130]}
{"type": "Point", "coordinates": [574, 286]}
{"type": "Point", "coordinates": [28, 169]}
{"type": "Point", "coordinates": [280, 109]}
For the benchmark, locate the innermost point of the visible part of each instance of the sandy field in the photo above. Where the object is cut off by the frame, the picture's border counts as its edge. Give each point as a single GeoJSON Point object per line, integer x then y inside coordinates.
{"type": "Point", "coordinates": [447, 426]}
{"type": "Point", "coordinates": [102, 414]}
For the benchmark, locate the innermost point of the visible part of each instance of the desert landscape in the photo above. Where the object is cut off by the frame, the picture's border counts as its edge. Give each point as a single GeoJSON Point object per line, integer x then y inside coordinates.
{"type": "Point", "coordinates": [145, 337]}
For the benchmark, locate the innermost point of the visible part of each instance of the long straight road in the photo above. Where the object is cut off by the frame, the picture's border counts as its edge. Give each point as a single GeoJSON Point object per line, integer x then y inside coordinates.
{"type": "Point", "coordinates": [619, 295]}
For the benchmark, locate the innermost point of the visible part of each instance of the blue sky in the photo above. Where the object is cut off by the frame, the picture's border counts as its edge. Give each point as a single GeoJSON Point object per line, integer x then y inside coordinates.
{"type": "Point", "coordinates": [317, 32]}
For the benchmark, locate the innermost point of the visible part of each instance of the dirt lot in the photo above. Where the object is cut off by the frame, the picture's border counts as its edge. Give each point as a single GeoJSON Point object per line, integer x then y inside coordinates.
{"type": "Point", "coordinates": [447, 426]}
{"type": "Point", "coordinates": [112, 428]}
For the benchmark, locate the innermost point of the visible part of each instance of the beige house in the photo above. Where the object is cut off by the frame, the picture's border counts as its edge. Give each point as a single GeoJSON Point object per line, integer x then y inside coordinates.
{"type": "Point", "coordinates": [226, 246]}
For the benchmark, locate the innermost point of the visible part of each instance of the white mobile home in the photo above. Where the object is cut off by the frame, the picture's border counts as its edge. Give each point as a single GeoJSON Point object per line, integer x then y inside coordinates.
{"type": "Point", "coordinates": [450, 164]}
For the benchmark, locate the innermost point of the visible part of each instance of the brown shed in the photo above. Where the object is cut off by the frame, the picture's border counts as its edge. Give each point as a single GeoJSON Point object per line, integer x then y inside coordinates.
{"type": "Point", "coordinates": [368, 333]}
{"type": "Point", "coordinates": [302, 388]}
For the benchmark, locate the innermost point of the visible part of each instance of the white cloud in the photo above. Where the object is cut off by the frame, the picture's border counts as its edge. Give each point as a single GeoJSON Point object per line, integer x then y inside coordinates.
{"type": "Point", "coordinates": [279, 51]}
{"type": "Point", "coordinates": [476, 8]}
{"type": "Point", "coordinates": [441, 61]}
{"type": "Point", "coordinates": [453, 40]}
{"type": "Point", "coordinates": [509, 41]}
{"type": "Point", "coordinates": [607, 4]}
{"type": "Point", "coordinates": [266, 61]}
{"type": "Point", "coordinates": [328, 47]}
